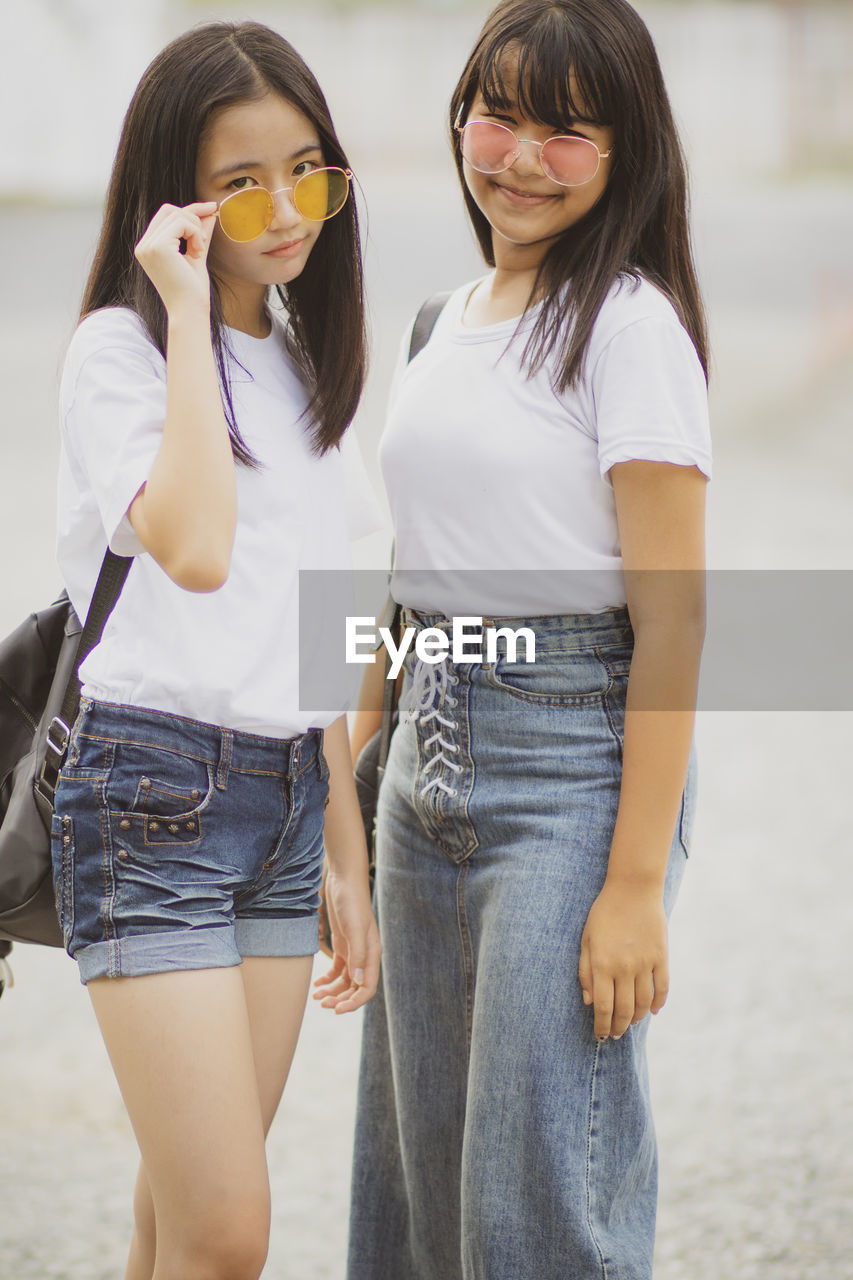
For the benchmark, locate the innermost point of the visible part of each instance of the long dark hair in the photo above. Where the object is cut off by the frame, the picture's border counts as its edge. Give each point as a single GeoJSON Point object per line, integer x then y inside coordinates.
{"type": "Point", "coordinates": [593, 60]}
{"type": "Point", "coordinates": [213, 66]}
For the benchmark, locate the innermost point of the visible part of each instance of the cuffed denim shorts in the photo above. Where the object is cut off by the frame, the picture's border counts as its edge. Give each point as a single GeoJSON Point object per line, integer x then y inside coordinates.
{"type": "Point", "coordinates": [182, 845]}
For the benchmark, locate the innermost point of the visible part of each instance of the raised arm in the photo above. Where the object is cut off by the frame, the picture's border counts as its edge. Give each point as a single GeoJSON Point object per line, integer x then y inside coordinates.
{"type": "Point", "coordinates": [185, 514]}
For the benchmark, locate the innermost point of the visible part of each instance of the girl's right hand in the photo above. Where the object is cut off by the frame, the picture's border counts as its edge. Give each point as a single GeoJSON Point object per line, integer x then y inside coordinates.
{"type": "Point", "coordinates": [179, 277]}
{"type": "Point", "coordinates": [354, 975]}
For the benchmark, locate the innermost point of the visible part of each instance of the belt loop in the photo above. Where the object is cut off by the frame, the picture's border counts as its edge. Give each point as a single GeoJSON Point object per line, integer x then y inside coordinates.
{"type": "Point", "coordinates": [224, 759]}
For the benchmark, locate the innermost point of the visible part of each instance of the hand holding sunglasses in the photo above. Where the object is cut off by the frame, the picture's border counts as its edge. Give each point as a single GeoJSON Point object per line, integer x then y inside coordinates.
{"type": "Point", "coordinates": [174, 274]}
{"type": "Point", "coordinates": [243, 216]}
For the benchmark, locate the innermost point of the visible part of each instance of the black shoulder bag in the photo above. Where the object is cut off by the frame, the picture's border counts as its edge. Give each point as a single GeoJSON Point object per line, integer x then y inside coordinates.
{"type": "Point", "coordinates": [39, 698]}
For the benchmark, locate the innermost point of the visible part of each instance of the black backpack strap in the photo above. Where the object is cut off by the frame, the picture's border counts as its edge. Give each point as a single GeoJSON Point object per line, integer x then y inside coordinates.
{"type": "Point", "coordinates": [425, 323]}
{"type": "Point", "coordinates": [421, 333]}
{"type": "Point", "coordinates": [111, 579]}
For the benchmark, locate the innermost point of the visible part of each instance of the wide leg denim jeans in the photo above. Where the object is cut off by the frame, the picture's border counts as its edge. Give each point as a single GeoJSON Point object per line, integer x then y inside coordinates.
{"type": "Point", "coordinates": [496, 1139]}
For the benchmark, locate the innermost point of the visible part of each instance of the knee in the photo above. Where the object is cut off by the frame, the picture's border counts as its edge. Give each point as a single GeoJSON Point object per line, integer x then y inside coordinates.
{"type": "Point", "coordinates": [143, 1213]}
{"type": "Point", "coordinates": [230, 1245]}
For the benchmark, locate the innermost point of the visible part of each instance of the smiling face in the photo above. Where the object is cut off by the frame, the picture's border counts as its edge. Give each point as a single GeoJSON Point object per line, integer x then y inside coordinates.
{"type": "Point", "coordinates": [527, 210]}
{"type": "Point", "coordinates": [268, 143]}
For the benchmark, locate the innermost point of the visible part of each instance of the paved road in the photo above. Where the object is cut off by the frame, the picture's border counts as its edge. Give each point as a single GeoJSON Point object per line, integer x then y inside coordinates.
{"type": "Point", "coordinates": [751, 1060]}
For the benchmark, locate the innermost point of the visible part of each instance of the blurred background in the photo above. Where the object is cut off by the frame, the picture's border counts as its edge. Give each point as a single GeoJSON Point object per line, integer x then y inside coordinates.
{"type": "Point", "coordinates": [751, 1058]}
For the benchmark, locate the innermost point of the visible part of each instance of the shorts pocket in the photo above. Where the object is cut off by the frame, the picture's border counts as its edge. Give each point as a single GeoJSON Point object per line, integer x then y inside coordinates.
{"type": "Point", "coordinates": [62, 857]}
{"type": "Point", "coordinates": [158, 793]}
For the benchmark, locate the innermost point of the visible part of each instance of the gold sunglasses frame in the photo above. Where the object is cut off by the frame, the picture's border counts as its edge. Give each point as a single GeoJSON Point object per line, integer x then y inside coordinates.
{"type": "Point", "coordinates": [331, 168]}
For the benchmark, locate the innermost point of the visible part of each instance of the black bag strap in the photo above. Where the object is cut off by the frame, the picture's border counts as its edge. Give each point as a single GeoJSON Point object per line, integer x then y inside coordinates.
{"type": "Point", "coordinates": [425, 323]}
{"type": "Point", "coordinates": [111, 578]}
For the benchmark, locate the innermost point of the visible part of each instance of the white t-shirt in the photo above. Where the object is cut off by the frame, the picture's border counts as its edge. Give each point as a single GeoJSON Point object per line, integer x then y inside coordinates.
{"type": "Point", "coordinates": [229, 657]}
{"type": "Point", "coordinates": [498, 485]}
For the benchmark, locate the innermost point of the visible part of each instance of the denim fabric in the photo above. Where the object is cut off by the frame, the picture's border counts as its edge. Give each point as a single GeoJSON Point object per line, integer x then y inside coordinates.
{"type": "Point", "coordinates": [496, 1139]}
{"type": "Point", "coordinates": [180, 845]}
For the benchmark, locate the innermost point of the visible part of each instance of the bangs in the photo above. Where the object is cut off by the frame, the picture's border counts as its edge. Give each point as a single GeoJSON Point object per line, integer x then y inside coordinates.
{"type": "Point", "coordinates": [563, 64]}
{"type": "Point", "coordinates": [556, 77]}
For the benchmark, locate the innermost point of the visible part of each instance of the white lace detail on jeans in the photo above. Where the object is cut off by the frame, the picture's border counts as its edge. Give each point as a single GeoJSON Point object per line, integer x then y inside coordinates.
{"type": "Point", "coordinates": [428, 698]}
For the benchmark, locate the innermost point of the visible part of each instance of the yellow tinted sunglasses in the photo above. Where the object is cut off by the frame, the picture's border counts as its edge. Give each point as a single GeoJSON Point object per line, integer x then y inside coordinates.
{"type": "Point", "coordinates": [318, 195]}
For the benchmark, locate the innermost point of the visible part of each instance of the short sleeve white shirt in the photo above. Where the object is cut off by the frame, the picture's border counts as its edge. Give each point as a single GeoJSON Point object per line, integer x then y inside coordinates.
{"type": "Point", "coordinates": [499, 485]}
{"type": "Point", "coordinates": [229, 657]}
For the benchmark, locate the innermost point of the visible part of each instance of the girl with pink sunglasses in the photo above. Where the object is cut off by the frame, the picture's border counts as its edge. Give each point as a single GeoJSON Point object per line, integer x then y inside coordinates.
{"type": "Point", "coordinates": [546, 457]}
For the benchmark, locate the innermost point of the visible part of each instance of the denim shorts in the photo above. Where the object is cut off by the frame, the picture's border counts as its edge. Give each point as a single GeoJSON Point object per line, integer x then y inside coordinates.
{"type": "Point", "coordinates": [182, 845]}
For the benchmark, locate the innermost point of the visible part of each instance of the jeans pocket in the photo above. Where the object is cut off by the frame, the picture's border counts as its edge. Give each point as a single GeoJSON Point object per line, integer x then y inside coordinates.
{"type": "Point", "coordinates": [556, 677]}
{"type": "Point", "coordinates": [158, 793]}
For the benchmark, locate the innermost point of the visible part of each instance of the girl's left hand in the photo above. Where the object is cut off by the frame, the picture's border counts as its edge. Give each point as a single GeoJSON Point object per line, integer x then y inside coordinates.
{"type": "Point", "coordinates": [624, 963]}
{"type": "Point", "coordinates": [354, 975]}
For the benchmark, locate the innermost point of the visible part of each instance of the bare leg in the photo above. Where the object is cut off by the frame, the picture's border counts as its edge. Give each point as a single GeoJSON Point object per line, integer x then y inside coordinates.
{"type": "Point", "coordinates": [201, 1058]}
{"type": "Point", "coordinates": [143, 1243]}
{"type": "Point", "coordinates": [276, 992]}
